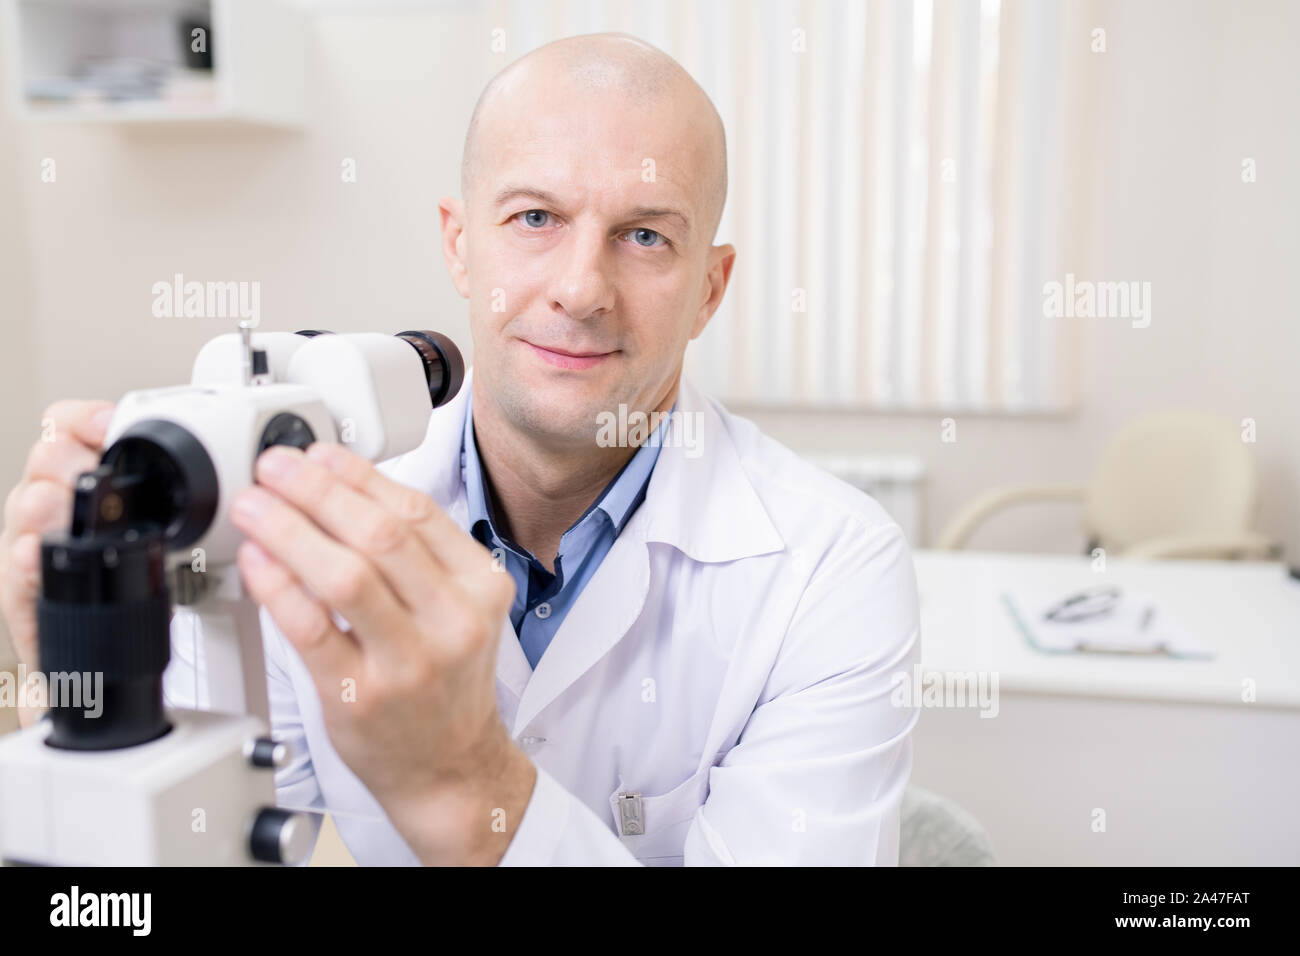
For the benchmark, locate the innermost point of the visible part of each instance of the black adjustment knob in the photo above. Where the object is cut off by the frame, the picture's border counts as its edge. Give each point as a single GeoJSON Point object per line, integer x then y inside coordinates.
{"type": "Point", "coordinates": [265, 752]}
{"type": "Point", "coordinates": [286, 428]}
{"type": "Point", "coordinates": [280, 836]}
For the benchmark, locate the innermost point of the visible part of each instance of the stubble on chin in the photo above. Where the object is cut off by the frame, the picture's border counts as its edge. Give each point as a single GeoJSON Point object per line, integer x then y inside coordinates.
{"type": "Point", "coordinates": [557, 418]}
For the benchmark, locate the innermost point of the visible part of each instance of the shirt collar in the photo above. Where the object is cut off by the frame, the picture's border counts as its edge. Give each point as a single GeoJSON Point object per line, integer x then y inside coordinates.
{"type": "Point", "coordinates": [471, 469]}
{"type": "Point", "coordinates": [618, 500]}
{"type": "Point", "coordinates": [701, 498]}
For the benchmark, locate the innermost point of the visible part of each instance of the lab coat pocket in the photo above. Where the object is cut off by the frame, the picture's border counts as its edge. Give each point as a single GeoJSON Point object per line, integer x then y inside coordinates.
{"type": "Point", "coordinates": [654, 827]}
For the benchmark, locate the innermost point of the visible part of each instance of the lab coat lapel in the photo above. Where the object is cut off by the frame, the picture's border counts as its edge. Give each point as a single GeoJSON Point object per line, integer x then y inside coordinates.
{"type": "Point", "coordinates": [602, 614]}
{"type": "Point", "coordinates": [699, 501]}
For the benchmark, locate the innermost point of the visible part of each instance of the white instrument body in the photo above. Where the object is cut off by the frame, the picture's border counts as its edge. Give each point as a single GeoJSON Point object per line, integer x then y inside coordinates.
{"type": "Point", "coordinates": [185, 799]}
{"type": "Point", "coordinates": [191, 796]}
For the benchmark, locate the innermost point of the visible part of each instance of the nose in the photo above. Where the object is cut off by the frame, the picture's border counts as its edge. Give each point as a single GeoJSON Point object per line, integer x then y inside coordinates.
{"type": "Point", "coordinates": [582, 287]}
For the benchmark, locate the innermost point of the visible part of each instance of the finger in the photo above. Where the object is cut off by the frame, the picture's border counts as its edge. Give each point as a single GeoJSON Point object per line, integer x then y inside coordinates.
{"type": "Point", "coordinates": [61, 460]}
{"type": "Point", "coordinates": [38, 506]}
{"type": "Point", "coordinates": [21, 585]}
{"type": "Point", "coordinates": [357, 520]}
{"type": "Point", "coordinates": [305, 622]}
{"type": "Point", "coordinates": [469, 562]}
{"type": "Point", "coordinates": [341, 578]}
{"type": "Point", "coordinates": [448, 543]}
{"type": "Point", "coordinates": [85, 421]}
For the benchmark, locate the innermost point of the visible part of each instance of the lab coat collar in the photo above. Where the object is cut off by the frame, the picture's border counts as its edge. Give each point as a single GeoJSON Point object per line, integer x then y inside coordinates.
{"type": "Point", "coordinates": [700, 501]}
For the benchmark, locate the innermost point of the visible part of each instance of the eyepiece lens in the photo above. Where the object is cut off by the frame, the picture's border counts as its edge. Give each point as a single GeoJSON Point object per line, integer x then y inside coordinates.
{"type": "Point", "coordinates": [444, 367]}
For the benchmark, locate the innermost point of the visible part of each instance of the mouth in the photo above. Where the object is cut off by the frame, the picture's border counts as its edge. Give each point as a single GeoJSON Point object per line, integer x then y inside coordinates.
{"type": "Point", "coordinates": [567, 359]}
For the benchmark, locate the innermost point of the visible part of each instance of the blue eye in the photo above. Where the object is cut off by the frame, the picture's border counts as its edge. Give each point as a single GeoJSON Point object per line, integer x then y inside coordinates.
{"type": "Point", "coordinates": [639, 233]}
{"type": "Point", "coordinates": [645, 238]}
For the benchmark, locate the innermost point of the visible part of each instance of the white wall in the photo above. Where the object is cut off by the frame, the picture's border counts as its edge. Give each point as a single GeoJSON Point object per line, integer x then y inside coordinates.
{"type": "Point", "coordinates": [1184, 91]}
{"type": "Point", "coordinates": [131, 206]}
{"type": "Point", "coordinates": [18, 371]}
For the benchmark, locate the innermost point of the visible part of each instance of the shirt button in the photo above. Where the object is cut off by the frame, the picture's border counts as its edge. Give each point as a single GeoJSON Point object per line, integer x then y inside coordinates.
{"type": "Point", "coordinates": [530, 742]}
{"type": "Point", "coordinates": [543, 610]}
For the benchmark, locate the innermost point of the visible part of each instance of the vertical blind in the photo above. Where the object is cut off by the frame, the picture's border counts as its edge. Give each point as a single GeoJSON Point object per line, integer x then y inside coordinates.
{"type": "Point", "coordinates": [895, 193]}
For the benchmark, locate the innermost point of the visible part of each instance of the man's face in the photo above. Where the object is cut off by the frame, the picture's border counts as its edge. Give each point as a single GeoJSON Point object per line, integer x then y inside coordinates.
{"type": "Point", "coordinates": [586, 259]}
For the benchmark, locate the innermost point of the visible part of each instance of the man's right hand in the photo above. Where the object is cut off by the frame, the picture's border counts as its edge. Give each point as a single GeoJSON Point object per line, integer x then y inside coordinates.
{"type": "Point", "coordinates": [71, 435]}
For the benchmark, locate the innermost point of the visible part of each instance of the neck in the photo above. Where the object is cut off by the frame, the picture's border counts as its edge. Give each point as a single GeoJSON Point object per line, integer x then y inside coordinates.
{"type": "Point", "coordinates": [539, 488]}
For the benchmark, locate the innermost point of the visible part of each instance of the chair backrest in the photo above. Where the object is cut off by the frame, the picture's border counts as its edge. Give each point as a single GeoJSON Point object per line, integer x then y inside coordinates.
{"type": "Point", "coordinates": [1171, 473]}
{"type": "Point", "coordinates": [936, 832]}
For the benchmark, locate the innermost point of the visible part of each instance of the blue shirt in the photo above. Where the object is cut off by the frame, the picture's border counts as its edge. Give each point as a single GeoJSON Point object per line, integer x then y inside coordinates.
{"type": "Point", "coordinates": [543, 598]}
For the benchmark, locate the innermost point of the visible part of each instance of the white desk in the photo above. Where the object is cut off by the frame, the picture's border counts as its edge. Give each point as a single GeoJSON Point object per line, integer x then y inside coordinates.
{"type": "Point", "coordinates": [1185, 771]}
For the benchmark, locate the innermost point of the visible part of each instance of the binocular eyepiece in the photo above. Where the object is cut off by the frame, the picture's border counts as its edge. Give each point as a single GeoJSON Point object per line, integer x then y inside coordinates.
{"type": "Point", "coordinates": [444, 367]}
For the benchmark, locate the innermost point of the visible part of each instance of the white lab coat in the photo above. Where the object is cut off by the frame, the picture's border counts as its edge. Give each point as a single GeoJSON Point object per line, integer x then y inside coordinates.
{"type": "Point", "coordinates": [730, 661]}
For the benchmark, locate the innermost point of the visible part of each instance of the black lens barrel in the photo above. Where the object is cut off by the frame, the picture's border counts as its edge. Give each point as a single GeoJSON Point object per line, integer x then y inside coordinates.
{"type": "Point", "coordinates": [103, 620]}
{"type": "Point", "coordinates": [167, 480]}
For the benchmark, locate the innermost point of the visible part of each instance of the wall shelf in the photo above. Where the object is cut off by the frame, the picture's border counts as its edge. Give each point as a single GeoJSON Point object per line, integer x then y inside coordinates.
{"type": "Point", "coordinates": [132, 61]}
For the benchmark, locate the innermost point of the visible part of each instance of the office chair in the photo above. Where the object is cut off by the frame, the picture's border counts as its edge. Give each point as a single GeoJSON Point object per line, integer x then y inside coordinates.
{"type": "Point", "coordinates": [1169, 485]}
{"type": "Point", "coordinates": [937, 832]}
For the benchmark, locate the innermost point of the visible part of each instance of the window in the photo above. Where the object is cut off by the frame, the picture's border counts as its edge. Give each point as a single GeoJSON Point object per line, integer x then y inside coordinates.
{"type": "Point", "coordinates": [896, 194]}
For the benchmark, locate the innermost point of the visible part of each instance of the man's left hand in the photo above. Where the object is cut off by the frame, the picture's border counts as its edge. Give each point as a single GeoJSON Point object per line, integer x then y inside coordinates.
{"type": "Point", "coordinates": [408, 687]}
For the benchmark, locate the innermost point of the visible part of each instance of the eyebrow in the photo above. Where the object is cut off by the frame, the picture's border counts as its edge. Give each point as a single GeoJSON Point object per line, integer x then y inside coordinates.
{"type": "Point", "coordinates": [640, 212]}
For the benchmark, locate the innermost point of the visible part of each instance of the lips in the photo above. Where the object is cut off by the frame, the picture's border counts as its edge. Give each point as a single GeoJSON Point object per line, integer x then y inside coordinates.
{"type": "Point", "coordinates": [566, 358]}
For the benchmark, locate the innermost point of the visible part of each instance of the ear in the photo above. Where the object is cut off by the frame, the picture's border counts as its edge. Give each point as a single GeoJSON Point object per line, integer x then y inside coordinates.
{"type": "Point", "coordinates": [721, 260]}
{"type": "Point", "coordinates": [452, 212]}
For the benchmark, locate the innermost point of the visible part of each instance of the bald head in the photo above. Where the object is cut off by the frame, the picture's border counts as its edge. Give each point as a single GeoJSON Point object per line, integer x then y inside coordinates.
{"type": "Point", "coordinates": [607, 64]}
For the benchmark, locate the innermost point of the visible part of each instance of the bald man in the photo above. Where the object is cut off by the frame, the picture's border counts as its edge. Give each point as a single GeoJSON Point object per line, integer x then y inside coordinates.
{"type": "Point", "coordinates": [594, 618]}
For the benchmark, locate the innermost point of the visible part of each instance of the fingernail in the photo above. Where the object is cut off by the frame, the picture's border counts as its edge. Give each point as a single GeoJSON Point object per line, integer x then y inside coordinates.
{"type": "Point", "coordinates": [279, 463]}
{"type": "Point", "coordinates": [101, 419]}
{"type": "Point", "coordinates": [250, 504]}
